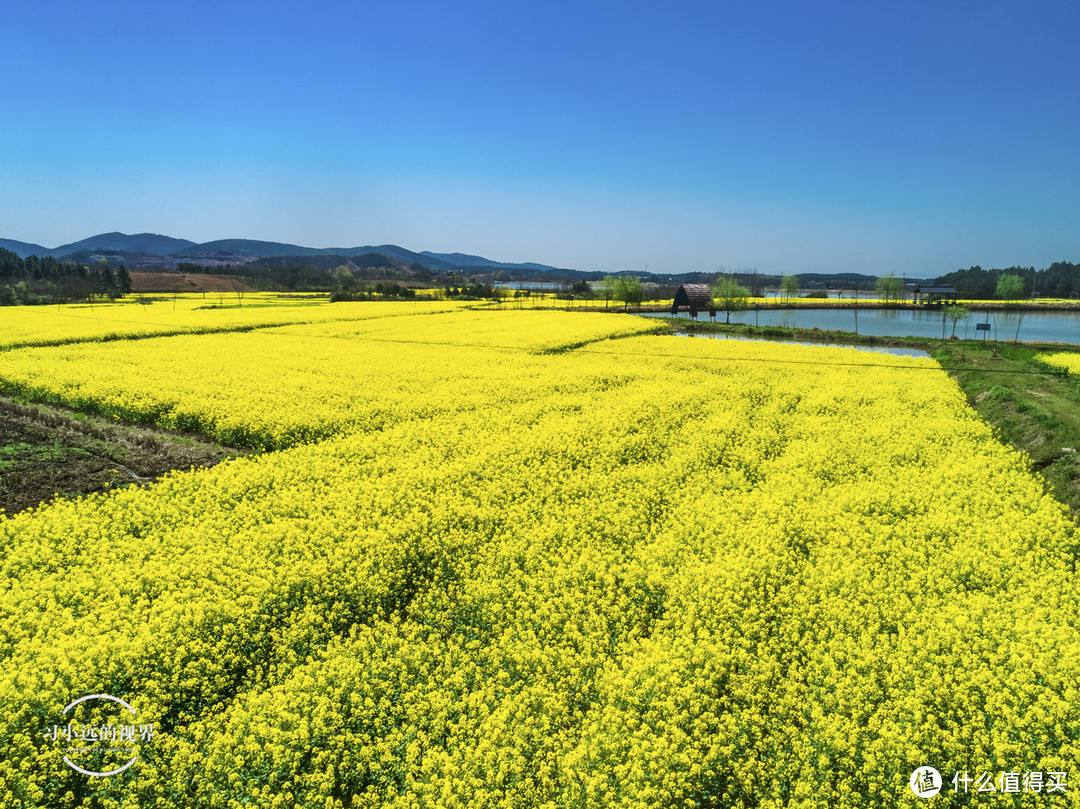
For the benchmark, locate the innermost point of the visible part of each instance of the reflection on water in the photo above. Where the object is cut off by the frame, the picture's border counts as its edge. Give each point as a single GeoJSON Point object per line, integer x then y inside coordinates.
{"type": "Point", "coordinates": [899, 352]}
{"type": "Point", "coordinates": [1032, 326]}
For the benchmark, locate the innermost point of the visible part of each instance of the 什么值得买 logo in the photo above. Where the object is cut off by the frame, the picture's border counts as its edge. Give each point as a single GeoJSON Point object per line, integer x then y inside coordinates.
{"type": "Point", "coordinates": [925, 782]}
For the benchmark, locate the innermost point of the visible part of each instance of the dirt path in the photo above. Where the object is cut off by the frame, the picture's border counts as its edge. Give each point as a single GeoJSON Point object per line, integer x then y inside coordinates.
{"type": "Point", "coordinates": [47, 451]}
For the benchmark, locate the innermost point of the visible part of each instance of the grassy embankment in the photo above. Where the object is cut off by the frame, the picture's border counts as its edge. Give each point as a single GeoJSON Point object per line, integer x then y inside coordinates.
{"type": "Point", "coordinates": [1034, 408]}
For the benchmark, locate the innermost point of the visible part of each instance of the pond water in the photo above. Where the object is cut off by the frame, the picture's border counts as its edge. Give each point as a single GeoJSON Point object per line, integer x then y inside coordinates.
{"type": "Point", "coordinates": [899, 352]}
{"type": "Point", "coordinates": [533, 286]}
{"type": "Point", "coordinates": [1059, 327]}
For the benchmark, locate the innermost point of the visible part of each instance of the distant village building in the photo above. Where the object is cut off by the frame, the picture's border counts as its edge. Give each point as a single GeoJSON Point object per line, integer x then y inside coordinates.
{"type": "Point", "coordinates": [932, 295]}
{"type": "Point", "coordinates": [695, 297]}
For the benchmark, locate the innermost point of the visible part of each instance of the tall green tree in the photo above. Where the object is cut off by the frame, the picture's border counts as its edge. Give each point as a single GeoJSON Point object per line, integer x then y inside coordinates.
{"type": "Point", "coordinates": [606, 288]}
{"type": "Point", "coordinates": [889, 287]}
{"type": "Point", "coordinates": [342, 278]}
{"type": "Point", "coordinates": [1009, 287]}
{"type": "Point", "coordinates": [629, 290]}
{"type": "Point", "coordinates": [790, 286]}
{"type": "Point", "coordinates": [730, 297]}
{"type": "Point", "coordinates": [123, 281]}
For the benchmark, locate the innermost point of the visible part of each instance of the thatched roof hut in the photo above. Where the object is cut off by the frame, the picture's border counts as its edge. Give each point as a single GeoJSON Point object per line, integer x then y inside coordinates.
{"type": "Point", "coordinates": [694, 297]}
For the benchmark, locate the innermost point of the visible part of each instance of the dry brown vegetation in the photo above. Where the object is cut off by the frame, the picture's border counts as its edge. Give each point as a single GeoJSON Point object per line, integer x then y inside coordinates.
{"type": "Point", "coordinates": [48, 451]}
{"type": "Point", "coordinates": [185, 282]}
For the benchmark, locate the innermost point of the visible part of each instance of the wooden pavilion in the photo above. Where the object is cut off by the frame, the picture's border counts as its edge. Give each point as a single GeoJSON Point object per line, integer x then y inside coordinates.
{"type": "Point", "coordinates": [934, 295]}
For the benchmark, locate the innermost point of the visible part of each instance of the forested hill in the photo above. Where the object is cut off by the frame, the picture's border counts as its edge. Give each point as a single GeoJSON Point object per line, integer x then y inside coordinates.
{"type": "Point", "coordinates": [47, 280]}
{"type": "Point", "coordinates": [23, 249]}
{"type": "Point", "coordinates": [1060, 280]}
{"type": "Point", "coordinates": [152, 250]}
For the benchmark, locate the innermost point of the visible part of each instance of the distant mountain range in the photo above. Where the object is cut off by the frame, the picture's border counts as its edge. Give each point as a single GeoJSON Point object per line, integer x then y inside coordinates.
{"type": "Point", "coordinates": [24, 249]}
{"type": "Point", "coordinates": [154, 251]}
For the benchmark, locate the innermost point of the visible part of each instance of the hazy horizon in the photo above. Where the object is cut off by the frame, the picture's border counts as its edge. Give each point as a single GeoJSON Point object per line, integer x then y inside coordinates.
{"type": "Point", "coordinates": [781, 137]}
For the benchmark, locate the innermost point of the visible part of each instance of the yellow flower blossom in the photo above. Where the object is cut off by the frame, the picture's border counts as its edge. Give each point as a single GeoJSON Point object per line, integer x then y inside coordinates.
{"type": "Point", "coordinates": [538, 559]}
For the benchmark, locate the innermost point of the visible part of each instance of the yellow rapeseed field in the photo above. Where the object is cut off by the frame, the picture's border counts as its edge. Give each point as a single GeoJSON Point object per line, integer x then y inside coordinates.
{"type": "Point", "coordinates": [514, 559]}
{"type": "Point", "coordinates": [160, 314]}
{"type": "Point", "coordinates": [275, 388]}
{"type": "Point", "coordinates": [1068, 360]}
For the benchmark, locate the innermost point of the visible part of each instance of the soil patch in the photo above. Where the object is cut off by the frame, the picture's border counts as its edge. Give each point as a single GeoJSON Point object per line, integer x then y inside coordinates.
{"type": "Point", "coordinates": [48, 452]}
{"type": "Point", "coordinates": [185, 282]}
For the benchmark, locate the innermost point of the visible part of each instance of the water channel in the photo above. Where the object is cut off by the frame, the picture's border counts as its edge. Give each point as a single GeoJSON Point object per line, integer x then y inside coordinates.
{"type": "Point", "coordinates": [1034, 326]}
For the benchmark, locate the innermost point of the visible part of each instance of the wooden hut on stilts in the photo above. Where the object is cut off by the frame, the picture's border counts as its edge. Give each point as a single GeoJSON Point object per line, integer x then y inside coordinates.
{"type": "Point", "coordinates": [694, 297]}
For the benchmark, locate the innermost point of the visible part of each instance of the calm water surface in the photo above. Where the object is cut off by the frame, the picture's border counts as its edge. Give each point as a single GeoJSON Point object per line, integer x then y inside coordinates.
{"type": "Point", "coordinates": [1057, 327]}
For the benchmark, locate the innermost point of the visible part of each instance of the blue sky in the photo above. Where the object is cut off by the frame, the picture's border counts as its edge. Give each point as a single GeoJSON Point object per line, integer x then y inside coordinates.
{"type": "Point", "coordinates": [683, 136]}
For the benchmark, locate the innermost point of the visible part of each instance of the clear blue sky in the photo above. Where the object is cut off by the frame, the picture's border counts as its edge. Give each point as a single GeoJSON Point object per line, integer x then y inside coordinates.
{"type": "Point", "coordinates": [785, 136]}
